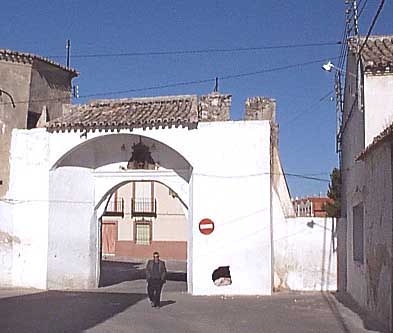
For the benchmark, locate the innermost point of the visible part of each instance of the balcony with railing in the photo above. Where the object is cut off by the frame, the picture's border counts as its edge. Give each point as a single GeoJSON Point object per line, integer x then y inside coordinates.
{"type": "Point", "coordinates": [115, 208]}
{"type": "Point", "coordinates": [143, 207]}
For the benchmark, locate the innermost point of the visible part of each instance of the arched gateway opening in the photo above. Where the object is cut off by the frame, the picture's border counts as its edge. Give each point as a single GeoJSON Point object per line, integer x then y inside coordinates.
{"type": "Point", "coordinates": [84, 184]}
{"type": "Point", "coordinates": [142, 217]}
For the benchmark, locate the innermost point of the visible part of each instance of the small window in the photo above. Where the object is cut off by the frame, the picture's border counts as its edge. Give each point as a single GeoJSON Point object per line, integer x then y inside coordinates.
{"type": "Point", "coordinates": [143, 232]}
{"type": "Point", "coordinates": [358, 233]}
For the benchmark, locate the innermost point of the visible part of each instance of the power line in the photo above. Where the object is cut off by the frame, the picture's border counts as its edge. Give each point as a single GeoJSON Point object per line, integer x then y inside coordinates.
{"type": "Point", "coordinates": [306, 177]}
{"type": "Point", "coordinates": [226, 77]}
{"type": "Point", "coordinates": [310, 108]}
{"type": "Point", "coordinates": [199, 51]}
{"type": "Point", "coordinates": [303, 176]}
{"type": "Point", "coordinates": [372, 25]}
{"type": "Point", "coordinates": [361, 9]}
{"type": "Point", "coordinates": [185, 83]}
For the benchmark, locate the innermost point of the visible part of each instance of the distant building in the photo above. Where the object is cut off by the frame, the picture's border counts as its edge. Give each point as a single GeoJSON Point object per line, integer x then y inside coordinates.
{"type": "Point", "coordinates": [311, 206]}
{"type": "Point", "coordinates": [143, 217]}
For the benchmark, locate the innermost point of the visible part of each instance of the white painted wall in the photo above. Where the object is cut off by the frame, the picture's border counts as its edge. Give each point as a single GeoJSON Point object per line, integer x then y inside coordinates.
{"type": "Point", "coordinates": [305, 258]}
{"type": "Point", "coordinates": [228, 181]}
{"type": "Point", "coordinates": [378, 104]}
{"type": "Point", "coordinates": [29, 192]}
{"type": "Point", "coordinates": [233, 189]}
{"type": "Point", "coordinates": [7, 241]}
{"type": "Point", "coordinates": [72, 229]}
{"type": "Point", "coordinates": [353, 180]}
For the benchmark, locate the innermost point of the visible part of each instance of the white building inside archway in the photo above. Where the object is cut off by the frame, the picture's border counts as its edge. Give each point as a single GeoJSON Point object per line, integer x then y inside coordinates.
{"type": "Point", "coordinates": [62, 176]}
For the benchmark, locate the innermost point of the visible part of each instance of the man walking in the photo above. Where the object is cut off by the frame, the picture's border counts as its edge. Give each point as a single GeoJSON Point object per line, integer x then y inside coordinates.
{"type": "Point", "coordinates": [156, 277]}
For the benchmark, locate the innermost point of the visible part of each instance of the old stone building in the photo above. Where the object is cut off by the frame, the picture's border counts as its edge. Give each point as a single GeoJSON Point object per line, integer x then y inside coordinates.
{"type": "Point", "coordinates": [30, 87]}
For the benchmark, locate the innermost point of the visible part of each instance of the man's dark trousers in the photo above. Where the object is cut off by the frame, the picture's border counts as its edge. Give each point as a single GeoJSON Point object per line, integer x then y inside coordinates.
{"type": "Point", "coordinates": [154, 288]}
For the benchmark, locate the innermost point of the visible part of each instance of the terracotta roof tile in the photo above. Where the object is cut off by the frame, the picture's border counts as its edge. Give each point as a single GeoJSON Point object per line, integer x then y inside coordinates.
{"type": "Point", "coordinates": [377, 54]}
{"type": "Point", "coordinates": [28, 58]}
{"type": "Point", "coordinates": [129, 113]}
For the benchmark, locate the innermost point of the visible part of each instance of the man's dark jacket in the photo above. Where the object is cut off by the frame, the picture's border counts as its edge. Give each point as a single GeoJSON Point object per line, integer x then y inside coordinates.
{"type": "Point", "coordinates": [161, 269]}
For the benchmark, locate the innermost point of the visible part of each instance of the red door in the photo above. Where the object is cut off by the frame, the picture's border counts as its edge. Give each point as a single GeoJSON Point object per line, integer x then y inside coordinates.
{"type": "Point", "coordinates": [109, 237]}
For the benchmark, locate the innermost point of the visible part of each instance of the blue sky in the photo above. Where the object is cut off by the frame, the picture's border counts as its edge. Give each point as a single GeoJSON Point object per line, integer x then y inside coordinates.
{"type": "Point", "coordinates": [307, 125]}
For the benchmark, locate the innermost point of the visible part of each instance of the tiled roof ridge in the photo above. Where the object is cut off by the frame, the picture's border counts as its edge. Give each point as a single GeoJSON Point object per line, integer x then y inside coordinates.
{"type": "Point", "coordinates": [377, 53]}
{"type": "Point", "coordinates": [25, 57]}
{"type": "Point", "coordinates": [381, 137]}
{"type": "Point", "coordinates": [371, 38]}
{"type": "Point", "coordinates": [114, 101]}
{"type": "Point", "coordinates": [111, 114]}
{"type": "Point", "coordinates": [124, 102]}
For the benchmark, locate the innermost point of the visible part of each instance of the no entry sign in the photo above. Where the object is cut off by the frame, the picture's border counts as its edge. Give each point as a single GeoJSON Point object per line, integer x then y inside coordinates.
{"type": "Point", "coordinates": [206, 226]}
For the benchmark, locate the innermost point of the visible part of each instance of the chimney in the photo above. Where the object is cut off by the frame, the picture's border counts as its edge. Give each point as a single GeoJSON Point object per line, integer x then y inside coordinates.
{"type": "Point", "coordinates": [260, 108]}
{"type": "Point", "coordinates": [214, 107]}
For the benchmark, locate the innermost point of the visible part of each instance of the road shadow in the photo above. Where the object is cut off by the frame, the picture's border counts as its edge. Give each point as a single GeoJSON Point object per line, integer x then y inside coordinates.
{"type": "Point", "coordinates": [369, 322]}
{"type": "Point", "coordinates": [60, 311]}
{"type": "Point", "coordinates": [115, 272]}
{"type": "Point", "coordinates": [176, 276]}
{"type": "Point", "coordinates": [335, 311]}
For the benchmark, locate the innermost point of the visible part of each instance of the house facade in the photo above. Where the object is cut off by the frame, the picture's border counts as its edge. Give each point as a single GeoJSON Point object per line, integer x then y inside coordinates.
{"type": "Point", "coordinates": [31, 87]}
{"type": "Point", "coordinates": [143, 217]}
{"type": "Point", "coordinates": [365, 229]}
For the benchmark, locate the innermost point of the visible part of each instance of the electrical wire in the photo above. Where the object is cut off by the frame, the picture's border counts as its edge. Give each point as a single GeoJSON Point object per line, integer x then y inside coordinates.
{"type": "Point", "coordinates": [265, 174]}
{"type": "Point", "coordinates": [361, 10]}
{"type": "Point", "coordinates": [372, 26]}
{"type": "Point", "coordinates": [309, 109]}
{"type": "Point", "coordinates": [179, 84]}
{"type": "Point", "coordinates": [198, 51]}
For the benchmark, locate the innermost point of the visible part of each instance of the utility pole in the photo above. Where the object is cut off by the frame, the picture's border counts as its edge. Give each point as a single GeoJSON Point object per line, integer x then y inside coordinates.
{"type": "Point", "coordinates": [68, 48]}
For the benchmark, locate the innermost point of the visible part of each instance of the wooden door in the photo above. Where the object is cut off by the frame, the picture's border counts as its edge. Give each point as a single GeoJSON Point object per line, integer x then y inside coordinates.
{"type": "Point", "coordinates": [109, 238]}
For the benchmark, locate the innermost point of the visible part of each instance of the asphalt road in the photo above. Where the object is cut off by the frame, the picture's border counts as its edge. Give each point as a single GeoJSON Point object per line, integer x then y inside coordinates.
{"type": "Point", "coordinates": [121, 305]}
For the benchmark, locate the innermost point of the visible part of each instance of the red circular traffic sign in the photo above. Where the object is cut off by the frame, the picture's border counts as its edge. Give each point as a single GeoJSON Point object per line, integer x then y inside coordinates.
{"type": "Point", "coordinates": [206, 226]}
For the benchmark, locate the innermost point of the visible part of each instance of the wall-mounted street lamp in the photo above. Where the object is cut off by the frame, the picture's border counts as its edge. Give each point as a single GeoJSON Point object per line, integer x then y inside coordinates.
{"type": "Point", "coordinates": [9, 95]}
{"type": "Point", "coordinates": [329, 66]}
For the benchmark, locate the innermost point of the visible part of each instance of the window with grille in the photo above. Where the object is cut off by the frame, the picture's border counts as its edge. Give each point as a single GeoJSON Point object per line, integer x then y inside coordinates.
{"type": "Point", "coordinates": [143, 232]}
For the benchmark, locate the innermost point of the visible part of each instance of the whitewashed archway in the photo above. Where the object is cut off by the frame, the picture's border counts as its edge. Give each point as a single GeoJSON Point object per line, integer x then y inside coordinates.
{"type": "Point", "coordinates": [81, 181]}
{"type": "Point", "coordinates": [54, 187]}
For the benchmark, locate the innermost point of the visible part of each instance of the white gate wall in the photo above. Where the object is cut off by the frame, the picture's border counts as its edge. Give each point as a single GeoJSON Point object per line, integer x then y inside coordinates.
{"type": "Point", "coordinates": [227, 179]}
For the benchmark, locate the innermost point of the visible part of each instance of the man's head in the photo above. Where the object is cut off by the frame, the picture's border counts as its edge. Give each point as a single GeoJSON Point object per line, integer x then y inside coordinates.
{"type": "Point", "coordinates": [156, 256]}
